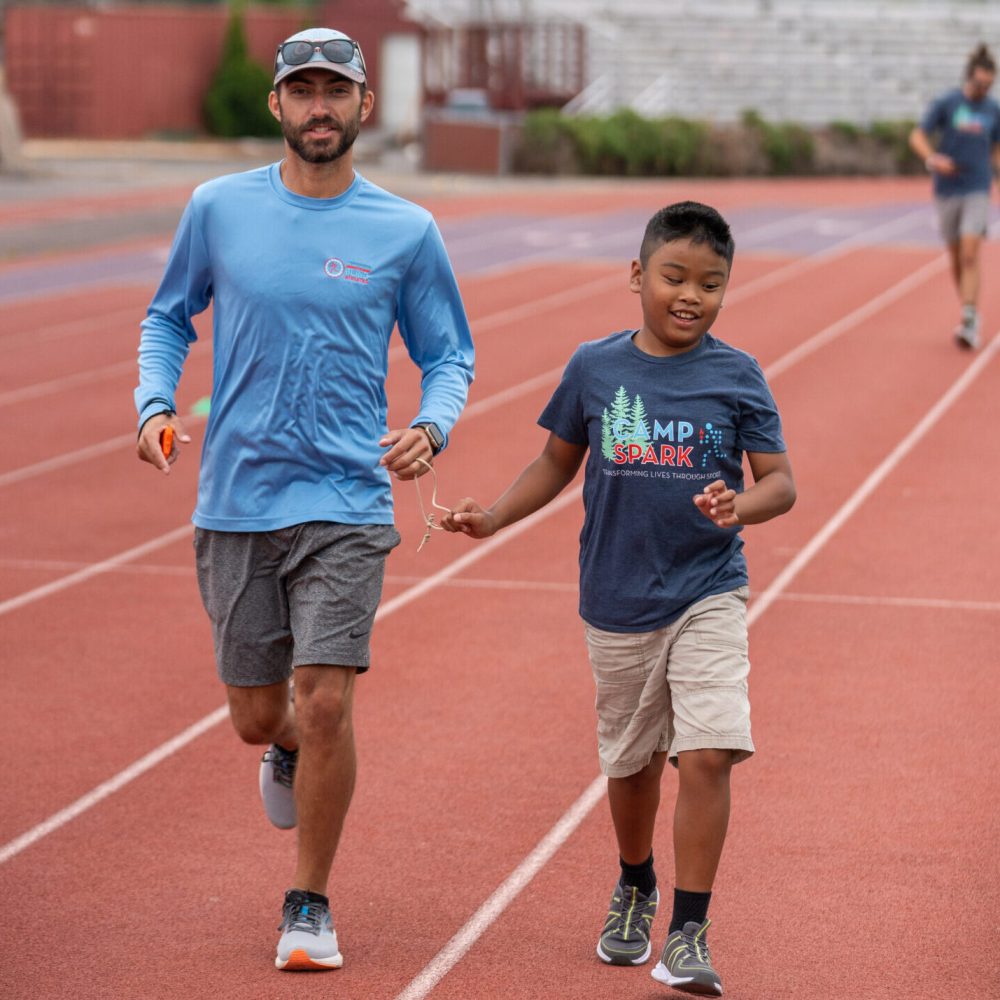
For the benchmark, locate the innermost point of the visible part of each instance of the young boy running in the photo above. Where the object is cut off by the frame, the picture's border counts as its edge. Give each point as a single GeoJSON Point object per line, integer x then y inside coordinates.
{"type": "Point", "coordinates": [666, 411]}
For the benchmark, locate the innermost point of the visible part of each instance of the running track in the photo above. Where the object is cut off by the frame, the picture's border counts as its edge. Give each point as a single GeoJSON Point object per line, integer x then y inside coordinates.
{"type": "Point", "coordinates": [478, 859]}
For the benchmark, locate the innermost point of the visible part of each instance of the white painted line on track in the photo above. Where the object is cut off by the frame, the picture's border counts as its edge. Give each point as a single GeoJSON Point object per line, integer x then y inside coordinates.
{"type": "Point", "coordinates": [112, 785]}
{"type": "Point", "coordinates": [80, 455]}
{"type": "Point", "coordinates": [872, 482]}
{"type": "Point", "coordinates": [937, 603]}
{"type": "Point", "coordinates": [160, 753]}
{"type": "Point", "coordinates": [514, 314]}
{"type": "Point", "coordinates": [413, 593]}
{"type": "Point", "coordinates": [498, 902]}
{"type": "Point", "coordinates": [95, 569]}
{"type": "Point", "coordinates": [474, 928]}
{"type": "Point", "coordinates": [38, 389]}
{"type": "Point", "coordinates": [479, 923]}
{"type": "Point", "coordinates": [852, 319]}
{"type": "Point", "coordinates": [56, 331]}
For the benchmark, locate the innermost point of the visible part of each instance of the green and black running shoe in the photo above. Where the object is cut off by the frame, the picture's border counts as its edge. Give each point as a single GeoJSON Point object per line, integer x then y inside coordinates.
{"type": "Point", "coordinates": [686, 964]}
{"type": "Point", "coordinates": [625, 938]}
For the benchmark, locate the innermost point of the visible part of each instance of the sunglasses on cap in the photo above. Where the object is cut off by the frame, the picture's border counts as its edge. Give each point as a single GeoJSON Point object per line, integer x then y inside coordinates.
{"type": "Point", "coordinates": [334, 50]}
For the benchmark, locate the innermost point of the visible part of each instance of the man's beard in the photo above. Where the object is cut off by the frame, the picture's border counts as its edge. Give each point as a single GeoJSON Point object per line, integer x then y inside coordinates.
{"type": "Point", "coordinates": [313, 151]}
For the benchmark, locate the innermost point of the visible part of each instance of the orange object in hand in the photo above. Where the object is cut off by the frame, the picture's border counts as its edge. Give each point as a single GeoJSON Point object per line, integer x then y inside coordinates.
{"type": "Point", "coordinates": [167, 441]}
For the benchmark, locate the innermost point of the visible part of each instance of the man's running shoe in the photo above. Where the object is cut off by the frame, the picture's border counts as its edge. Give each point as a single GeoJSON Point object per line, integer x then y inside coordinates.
{"type": "Point", "coordinates": [685, 963]}
{"type": "Point", "coordinates": [308, 940]}
{"type": "Point", "coordinates": [277, 773]}
{"type": "Point", "coordinates": [967, 333]}
{"type": "Point", "coordinates": [625, 938]}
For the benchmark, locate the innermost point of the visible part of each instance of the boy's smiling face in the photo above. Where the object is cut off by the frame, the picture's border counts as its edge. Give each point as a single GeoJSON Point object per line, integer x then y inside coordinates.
{"type": "Point", "coordinates": [681, 289]}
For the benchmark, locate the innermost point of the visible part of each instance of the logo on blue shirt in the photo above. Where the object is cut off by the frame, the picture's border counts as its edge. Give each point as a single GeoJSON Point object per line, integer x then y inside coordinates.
{"type": "Point", "coordinates": [336, 268]}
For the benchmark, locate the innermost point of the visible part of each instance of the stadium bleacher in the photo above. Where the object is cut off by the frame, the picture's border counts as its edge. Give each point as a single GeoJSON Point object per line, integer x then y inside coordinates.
{"type": "Point", "coordinates": [812, 61]}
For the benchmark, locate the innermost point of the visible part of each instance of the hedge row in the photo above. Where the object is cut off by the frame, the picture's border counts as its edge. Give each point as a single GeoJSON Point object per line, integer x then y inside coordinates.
{"type": "Point", "coordinates": [625, 143]}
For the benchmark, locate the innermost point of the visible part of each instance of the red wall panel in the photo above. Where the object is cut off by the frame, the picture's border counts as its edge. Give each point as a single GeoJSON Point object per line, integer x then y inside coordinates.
{"type": "Point", "coordinates": [124, 72]}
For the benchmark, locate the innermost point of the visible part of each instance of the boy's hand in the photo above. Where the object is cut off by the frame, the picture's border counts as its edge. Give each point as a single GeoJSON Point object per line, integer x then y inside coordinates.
{"type": "Point", "coordinates": [469, 519]}
{"type": "Point", "coordinates": [718, 504]}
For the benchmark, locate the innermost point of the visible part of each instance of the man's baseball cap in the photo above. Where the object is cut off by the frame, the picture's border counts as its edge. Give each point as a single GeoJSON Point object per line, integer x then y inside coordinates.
{"type": "Point", "coordinates": [320, 48]}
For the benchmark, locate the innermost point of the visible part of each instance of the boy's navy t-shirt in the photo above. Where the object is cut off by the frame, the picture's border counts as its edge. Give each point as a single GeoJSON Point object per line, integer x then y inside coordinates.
{"type": "Point", "coordinates": [659, 429]}
{"type": "Point", "coordinates": [968, 132]}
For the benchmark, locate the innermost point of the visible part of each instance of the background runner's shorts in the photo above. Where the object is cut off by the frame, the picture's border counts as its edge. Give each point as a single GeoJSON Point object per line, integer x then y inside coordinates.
{"type": "Point", "coordinates": [964, 215]}
{"type": "Point", "coordinates": [301, 595]}
{"type": "Point", "coordinates": [680, 687]}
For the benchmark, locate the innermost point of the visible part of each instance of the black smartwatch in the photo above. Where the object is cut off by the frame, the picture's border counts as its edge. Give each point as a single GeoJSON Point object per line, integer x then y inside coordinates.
{"type": "Point", "coordinates": [434, 435]}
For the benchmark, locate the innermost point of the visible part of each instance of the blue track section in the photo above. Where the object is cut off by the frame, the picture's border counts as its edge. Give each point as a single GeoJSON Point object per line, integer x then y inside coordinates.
{"type": "Point", "coordinates": [504, 241]}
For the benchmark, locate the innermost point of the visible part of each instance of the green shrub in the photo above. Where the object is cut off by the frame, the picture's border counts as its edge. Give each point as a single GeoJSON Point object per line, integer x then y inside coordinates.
{"type": "Point", "coordinates": [847, 130]}
{"type": "Point", "coordinates": [789, 148]}
{"type": "Point", "coordinates": [626, 144]}
{"type": "Point", "coordinates": [684, 145]}
{"type": "Point", "coordinates": [236, 102]}
{"type": "Point", "coordinates": [895, 136]}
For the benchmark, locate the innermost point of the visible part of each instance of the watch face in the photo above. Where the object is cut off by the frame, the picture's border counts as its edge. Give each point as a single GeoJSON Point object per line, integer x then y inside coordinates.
{"type": "Point", "coordinates": [437, 439]}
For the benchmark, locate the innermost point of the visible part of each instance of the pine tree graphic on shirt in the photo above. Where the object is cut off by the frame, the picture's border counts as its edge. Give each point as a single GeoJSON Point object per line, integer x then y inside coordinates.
{"type": "Point", "coordinates": [640, 430]}
{"type": "Point", "coordinates": [626, 423]}
{"type": "Point", "coordinates": [607, 442]}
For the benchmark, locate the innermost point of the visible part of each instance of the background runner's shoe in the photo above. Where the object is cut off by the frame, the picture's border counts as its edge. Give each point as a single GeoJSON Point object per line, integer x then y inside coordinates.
{"type": "Point", "coordinates": [685, 963]}
{"type": "Point", "coordinates": [277, 773]}
{"type": "Point", "coordinates": [625, 938]}
{"type": "Point", "coordinates": [308, 940]}
{"type": "Point", "coordinates": [967, 333]}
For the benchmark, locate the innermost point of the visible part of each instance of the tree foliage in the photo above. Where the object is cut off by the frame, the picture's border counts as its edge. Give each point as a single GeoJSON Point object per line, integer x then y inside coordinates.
{"type": "Point", "coordinates": [236, 102]}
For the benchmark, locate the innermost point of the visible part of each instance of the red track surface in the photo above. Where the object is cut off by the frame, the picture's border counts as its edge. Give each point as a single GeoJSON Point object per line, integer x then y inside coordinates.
{"type": "Point", "coordinates": [861, 861]}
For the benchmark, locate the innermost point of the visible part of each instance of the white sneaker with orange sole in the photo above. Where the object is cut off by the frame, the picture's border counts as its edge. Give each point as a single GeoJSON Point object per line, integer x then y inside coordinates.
{"type": "Point", "coordinates": [308, 940]}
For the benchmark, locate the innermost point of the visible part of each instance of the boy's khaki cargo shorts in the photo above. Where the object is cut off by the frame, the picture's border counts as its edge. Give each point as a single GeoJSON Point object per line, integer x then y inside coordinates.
{"type": "Point", "coordinates": [680, 687]}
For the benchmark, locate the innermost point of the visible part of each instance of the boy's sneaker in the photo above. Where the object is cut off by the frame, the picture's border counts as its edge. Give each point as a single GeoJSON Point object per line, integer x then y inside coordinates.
{"type": "Point", "coordinates": [277, 773]}
{"type": "Point", "coordinates": [308, 940]}
{"type": "Point", "coordinates": [625, 938]}
{"type": "Point", "coordinates": [967, 332]}
{"type": "Point", "coordinates": [685, 963]}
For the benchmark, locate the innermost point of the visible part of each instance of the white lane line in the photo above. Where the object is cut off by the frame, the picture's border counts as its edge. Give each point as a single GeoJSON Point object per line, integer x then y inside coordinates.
{"type": "Point", "coordinates": [109, 564]}
{"type": "Point", "coordinates": [480, 922]}
{"type": "Point", "coordinates": [504, 316]}
{"type": "Point", "coordinates": [863, 312]}
{"type": "Point", "coordinates": [398, 351]}
{"type": "Point", "coordinates": [66, 382]}
{"type": "Point", "coordinates": [873, 481]}
{"type": "Point", "coordinates": [95, 569]}
{"type": "Point", "coordinates": [490, 910]}
{"type": "Point", "coordinates": [549, 586]}
{"type": "Point", "coordinates": [91, 324]}
{"type": "Point", "coordinates": [160, 753]}
{"type": "Point", "coordinates": [453, 952]}
{"type": "Point", "coordinates": [38, 389]}
{"type": "Point", "coordinates": [112, 785]}
{"type": "Point", "coordinates": [506, 395]}
{"type": "Point", "coordinates": [937, 603]}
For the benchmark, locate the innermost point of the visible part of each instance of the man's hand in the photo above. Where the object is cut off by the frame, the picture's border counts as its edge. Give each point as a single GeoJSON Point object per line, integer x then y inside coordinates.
{"type": "Point", "coordinates": [148, 446]}
{"type": "Point", "coordinates": [939, 163]}
{"type": "Point", "coordinates": [718, 503]}
{"type": "Point", "coordinates": [405, 448]}
{"type": "Point", "coordinates": [469, 519]}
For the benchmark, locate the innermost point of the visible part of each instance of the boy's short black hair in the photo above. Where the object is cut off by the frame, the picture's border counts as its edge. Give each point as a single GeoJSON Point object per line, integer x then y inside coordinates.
{"type": "Point", "coordinates": [687, 220]}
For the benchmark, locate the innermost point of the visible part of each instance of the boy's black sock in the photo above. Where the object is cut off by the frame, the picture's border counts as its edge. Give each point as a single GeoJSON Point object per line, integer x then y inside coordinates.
{"type": "Point", "coordinates": [641, 876]}
{"type": "Point", "coordinates": [688, 906]}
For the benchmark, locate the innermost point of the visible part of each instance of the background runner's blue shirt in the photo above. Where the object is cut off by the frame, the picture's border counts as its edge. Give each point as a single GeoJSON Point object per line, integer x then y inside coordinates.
{"type": "Point", "coordinates": [968, 131]}
{"type": "Point", "coordinates": [305, 294]}
{"type": "Point", "coordinates": [659, 430]}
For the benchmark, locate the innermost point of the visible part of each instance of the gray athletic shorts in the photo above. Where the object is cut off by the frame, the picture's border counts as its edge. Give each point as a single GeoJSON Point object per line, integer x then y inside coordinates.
{"type": "Point", "coordinates": [301, 595]}
{"type": "Point", "coordinates": [964, 215]}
